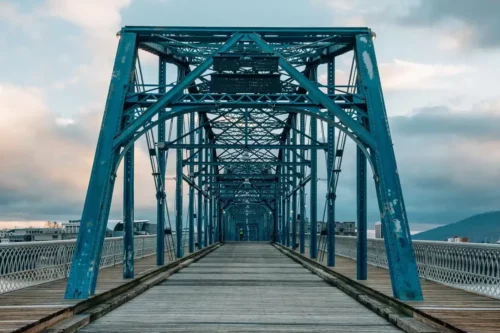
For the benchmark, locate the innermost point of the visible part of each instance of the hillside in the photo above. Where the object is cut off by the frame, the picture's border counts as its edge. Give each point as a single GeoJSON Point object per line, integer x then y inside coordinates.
{"type": "Point", "coordinates": [476, 227]}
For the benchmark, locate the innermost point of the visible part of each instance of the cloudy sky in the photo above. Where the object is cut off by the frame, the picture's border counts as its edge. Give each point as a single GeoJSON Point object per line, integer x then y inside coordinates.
{"type": "Point", "coordinates": [438, 61]}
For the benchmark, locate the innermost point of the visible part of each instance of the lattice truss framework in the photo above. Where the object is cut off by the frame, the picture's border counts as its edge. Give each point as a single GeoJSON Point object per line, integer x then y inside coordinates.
{"type": "Point", "coordinates": [246, 105]}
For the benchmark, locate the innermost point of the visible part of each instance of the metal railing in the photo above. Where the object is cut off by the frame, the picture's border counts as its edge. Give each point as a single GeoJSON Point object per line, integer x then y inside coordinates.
{"type": "Point", "coordinates": [469, 266]}
{"type": "Point", "coordinates": [25, 264]}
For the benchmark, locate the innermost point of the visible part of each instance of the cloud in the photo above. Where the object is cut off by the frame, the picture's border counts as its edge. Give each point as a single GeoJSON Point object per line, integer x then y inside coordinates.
{"type": "Point", "coordinates": [91, 15]}
{"type": "Point", "coordinates": [478, 20]}
{"type": "Point", "coordinates": [46, 160]}
{"type": "Point", "coordinates": [11, 14]}
{"type": "Point", "coordinates": [401, 74]}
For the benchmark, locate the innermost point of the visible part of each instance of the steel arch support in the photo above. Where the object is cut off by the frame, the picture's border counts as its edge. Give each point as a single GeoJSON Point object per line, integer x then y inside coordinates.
{"type": "Point", "coordinates": [86, 257]}
{"type": "Point", "coordinates": [399, 249]}
{"type": "Point", "coordinates": [174, 92]}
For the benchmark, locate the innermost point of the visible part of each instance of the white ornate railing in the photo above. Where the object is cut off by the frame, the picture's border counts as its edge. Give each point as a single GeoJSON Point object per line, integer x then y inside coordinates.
{"type": "Point", "coordinates": [30, 263]}
{"type": "Point", "coordinates": [469, 266]}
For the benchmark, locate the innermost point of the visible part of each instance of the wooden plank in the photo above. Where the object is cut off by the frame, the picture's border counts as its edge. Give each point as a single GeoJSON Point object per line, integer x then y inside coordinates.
{"type": "Point", "coordinates": [22, 307]}
{"type": "Point", "coordinates": [465, 310]}
{"type": "Point", "coordinates": [269, 293]}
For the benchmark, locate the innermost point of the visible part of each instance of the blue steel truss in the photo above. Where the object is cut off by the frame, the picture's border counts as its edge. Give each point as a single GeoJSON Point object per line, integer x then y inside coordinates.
{"type": "Point", "coordinates": [246, 104]}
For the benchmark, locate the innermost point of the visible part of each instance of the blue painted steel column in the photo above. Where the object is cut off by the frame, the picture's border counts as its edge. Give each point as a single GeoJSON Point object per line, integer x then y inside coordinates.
{"type": "Point", "coordinates": [210, 220]}
{"type": "Point", "coordinates": [361, 212]}
{"type": "Point", "coordinates": [191, 187]}
{"type": "Point", "coordinates": [294, 184]}
{"type": "Point", "coordinates": [128, 214]}
{"type": "Point", "coordinates": [199, 215]}
{"type": "Point", "coordinates": [283, 220]}
{"type": "Point", "coordinates": [86, 257]}
{"type": "Point", "coordinates": [205, 222]}
{"type": "Point", "coordinates": [313, 247]}
{"type": "Point", "coordinates": [160, 195]}
{"type": "Point", "coordinates": [178, 193]}
{"type": "Point", "coordinates": [275, 222]}
{"type": "Point", "coordinates": [302, 191]}
{"type": "Point", "coordinates": [287, 187]}
{"type": "Point", "coordinates": [399, 249]}
{"type": "Point", "coordinates": [331, 175]}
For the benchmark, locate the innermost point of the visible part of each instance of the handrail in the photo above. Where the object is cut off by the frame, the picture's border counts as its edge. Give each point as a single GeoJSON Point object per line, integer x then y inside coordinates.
{"type": "Point", "coordinates": [473, 267]}
{"type": "Point", "coordinates": [24, 264]}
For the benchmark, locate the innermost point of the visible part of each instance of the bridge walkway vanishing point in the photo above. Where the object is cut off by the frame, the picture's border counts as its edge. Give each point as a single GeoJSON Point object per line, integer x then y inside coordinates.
{"type": "Point", "coordinates": [250, 287]}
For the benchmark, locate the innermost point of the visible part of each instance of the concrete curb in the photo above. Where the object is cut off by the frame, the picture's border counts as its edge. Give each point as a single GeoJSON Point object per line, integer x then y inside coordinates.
{"type": "Point", "coordinates": [398, 313]}
{"type": "Point", "coordinates": [83, 313]}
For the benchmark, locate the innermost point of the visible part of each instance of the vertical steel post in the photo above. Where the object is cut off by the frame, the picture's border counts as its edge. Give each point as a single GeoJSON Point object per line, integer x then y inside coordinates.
{"type": "Point", "coordinates": [128, 214]}
{"type": "Point", "coordinates": [178, 193]}
{"type": "Point", "coordinates": [361, 212]}
{"type": "Point", "coordinates": [205, 221]}
{"type": "Point", "coordinates": [199, 215]}
{"type": "Point", "coordinates": [191, 187]}
{"type": "Point", "coordinates": [400, 255]}
{"type": "Point", "coordinates": [283, 220]}
{"type": "Point", "coordinates": [287, 187]}
{"type": "Point", "coordinates": [302, 191]}
{"type": "Point", "coordinates": [330, 174]}
{"type": "Point", "coordinates": [160, 195]}
{"type": "Point", "coordinates": [313, 247]}
{"type": "Point", "coordinates": [87, 255]}
{"type": "Point", "coordinates": [275, 221]}
{"type": "Point", "coordinates": [294, 184]}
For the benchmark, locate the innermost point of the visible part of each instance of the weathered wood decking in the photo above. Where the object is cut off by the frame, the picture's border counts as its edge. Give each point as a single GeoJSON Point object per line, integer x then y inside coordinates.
{"type": "Point", "coordinates": [248, 287]}
{"type": "Point", "coordinates": [467, 311]}
{"type": "Point", "coordinates": [22, 307]}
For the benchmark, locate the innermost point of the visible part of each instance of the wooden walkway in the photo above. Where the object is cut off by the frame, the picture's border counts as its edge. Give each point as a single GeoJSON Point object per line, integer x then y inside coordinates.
{"type": "Point", "coordinates": [22, 307]}
{"type": "Point", "coordinates": [465, 310]}
{"type": "Point", "coordinates": [249, 287]}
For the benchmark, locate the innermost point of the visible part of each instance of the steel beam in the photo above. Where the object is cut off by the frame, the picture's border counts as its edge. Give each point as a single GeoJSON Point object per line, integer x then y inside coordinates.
{"type": "Point", "coordinates": [400, 256]}
{"type": "Point", "coordinates": [87, 255]}
{"type": "Point", "coordinates": [252, 146]}
{"type": "Point", "coordinates": [200, 184]}
{"type": "Point", "coordinates": [160, 195]}
{"type": "Point", "coordinates": [191, 188]}
{"type": "Point", "coordinates": [178, 193]}
{"type": "Point", "coordinates": [128, 214]}
{"type": "Point", "coordinates": [313, 246]}
{"type": "Point", "coordinates": [294, 183]}
{"type": "Point", "coordinates": [274, 163]}
{"type": "Point", "coordinates": [361, 262]}
{"type": "Point", "coordinates": [173, 93]}
{"type": "Point", "coordinates": [330, 170]}
{"type": "Point", "coordinates": [302, 191]}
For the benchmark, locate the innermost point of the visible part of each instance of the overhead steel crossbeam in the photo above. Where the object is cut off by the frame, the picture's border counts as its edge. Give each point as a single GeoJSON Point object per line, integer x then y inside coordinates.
{"type": "Point", "coordinates": [246, 108]}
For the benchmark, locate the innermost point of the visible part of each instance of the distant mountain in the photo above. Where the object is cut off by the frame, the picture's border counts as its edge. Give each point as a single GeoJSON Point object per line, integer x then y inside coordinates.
{"type": "Point", "coordinates": [477, 228]}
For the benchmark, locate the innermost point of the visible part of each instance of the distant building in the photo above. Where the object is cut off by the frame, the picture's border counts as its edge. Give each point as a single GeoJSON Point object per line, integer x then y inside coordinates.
{"type": "Point", "coordinates": [32, 235]}
{"type": "Point", "coordinates": [114, 228]}
{"type": "Point", "coordinates": [346, 228]}
{"type": "Point", "coordinates": [378, 230]}
{"type": "Point", "coordinates": [141, 227]}
{"type": "Point", "coordinates": [456, 239]}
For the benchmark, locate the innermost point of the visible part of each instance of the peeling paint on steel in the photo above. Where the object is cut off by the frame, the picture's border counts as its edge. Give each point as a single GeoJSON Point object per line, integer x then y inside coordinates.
{"type": "Point", "coordinates": [368, 63]}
